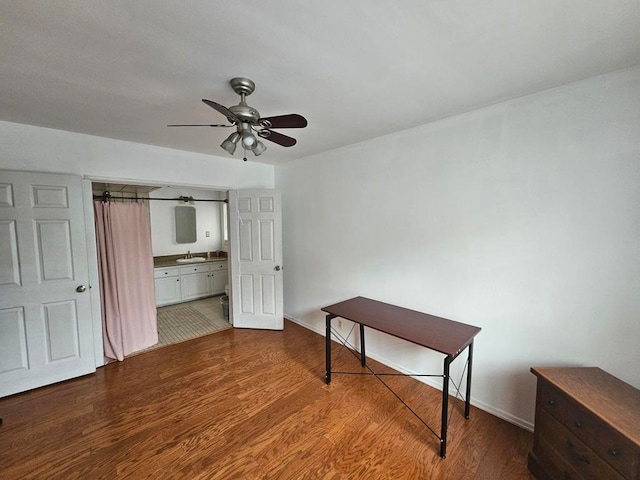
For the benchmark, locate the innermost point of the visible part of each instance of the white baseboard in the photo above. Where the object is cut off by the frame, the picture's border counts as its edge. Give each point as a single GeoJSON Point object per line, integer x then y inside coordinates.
{"type": "Point", "coordinates": [427, 380]}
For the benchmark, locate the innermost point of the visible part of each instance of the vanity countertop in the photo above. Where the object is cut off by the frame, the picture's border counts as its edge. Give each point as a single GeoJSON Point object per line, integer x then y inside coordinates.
{"type": "Point", "coordinates": [171, 260]}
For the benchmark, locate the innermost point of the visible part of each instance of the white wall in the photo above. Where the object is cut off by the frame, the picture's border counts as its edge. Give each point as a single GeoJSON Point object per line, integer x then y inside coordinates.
{"type": "Point", "coordinates": [163, 225]}
{"type": "Point", "coordinates": [25, 147]}
{"type": "Point", "coordinates": [521, 218]}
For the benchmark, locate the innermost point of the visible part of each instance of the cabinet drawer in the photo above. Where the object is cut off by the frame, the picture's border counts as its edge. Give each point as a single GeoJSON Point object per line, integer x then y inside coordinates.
{"type": "Point", "coordinates": [165, 272]}
{"type": "Point", "coordinates": [553, 401]}
{"type": "Point", "coordinates": [194, 269]}
{"type": "Point", "coordinates": [616, 450]}
{"type": "Point", "coordinates": [552, 465]}
{"type": "Point", "coordinates": [573, 451]}
{"type": "Point", "coordinates": [219, 266]}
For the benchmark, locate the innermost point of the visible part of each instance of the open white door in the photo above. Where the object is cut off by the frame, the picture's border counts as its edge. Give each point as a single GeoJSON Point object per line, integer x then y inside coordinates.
{"type": "Point", "coordinates": [46, 333]}
{"type": "Point", "coordinates": [255, 236]}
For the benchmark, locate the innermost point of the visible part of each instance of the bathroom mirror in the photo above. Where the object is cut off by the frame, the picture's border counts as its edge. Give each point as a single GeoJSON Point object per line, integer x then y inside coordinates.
{"type": "Point", "coordinates": [185, 224]}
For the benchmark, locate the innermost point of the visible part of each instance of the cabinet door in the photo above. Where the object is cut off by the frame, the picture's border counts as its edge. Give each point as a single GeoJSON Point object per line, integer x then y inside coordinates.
{"type": "Point", "coordinates": [167, 290]}
{"type": "Point", "coordinates": [219, 280]}
{"type": "Point", "coordinates": [195, 285]}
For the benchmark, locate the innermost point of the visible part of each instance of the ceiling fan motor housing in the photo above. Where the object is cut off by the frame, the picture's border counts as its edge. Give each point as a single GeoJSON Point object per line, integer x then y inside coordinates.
{"type": "Point", "coordinates": [245, 113]}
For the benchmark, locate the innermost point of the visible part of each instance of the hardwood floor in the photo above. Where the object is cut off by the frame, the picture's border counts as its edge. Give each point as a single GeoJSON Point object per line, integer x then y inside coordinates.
{"type": "Point", "coordinates": [246, 404]}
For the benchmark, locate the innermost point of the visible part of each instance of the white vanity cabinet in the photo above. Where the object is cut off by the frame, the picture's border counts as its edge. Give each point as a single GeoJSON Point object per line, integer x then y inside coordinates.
{"type": "Point", "coordinates": [195, 281]}
{"type": "Point", "coordinates": [219, 277]}
{"type": "Point", "coordinates": [167, 285]}
{"type": "Point", "coordinates": [189, 282]}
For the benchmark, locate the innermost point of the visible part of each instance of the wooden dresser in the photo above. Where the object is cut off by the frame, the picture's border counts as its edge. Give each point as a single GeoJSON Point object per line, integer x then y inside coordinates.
{"type": "Point", "coordinates": [587, 426]}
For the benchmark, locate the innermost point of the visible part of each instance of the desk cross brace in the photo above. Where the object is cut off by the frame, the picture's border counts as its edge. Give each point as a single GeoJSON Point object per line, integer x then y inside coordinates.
{"type": "Point", "coordinates": [445, 376]}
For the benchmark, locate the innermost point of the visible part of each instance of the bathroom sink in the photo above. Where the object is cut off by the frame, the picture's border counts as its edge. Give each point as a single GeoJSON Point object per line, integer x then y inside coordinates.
{"type": "Point", "coordinates": [191, 260]}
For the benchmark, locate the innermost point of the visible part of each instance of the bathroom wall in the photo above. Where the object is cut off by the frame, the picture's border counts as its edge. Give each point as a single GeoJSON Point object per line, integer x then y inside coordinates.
{"type": "Point", "coordinates": [163, 225]}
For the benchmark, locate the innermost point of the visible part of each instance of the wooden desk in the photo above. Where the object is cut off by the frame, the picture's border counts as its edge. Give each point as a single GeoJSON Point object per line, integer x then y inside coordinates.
{"type": "Point", "coordinates": [445, 336]}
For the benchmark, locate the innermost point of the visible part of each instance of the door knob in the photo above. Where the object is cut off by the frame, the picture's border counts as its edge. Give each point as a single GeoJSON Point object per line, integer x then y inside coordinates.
{"type": "Point", "coordinates": [277, 269]}
{"type": "Point", "coordinates": [81, 289]}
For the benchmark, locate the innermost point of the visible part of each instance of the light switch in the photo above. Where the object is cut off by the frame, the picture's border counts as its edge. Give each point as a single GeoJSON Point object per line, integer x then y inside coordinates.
{"type": "Point", "coordinates": [207, 233]}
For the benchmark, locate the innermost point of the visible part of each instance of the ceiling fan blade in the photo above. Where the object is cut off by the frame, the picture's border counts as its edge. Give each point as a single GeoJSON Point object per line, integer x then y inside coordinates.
{"type": "Point", "coordinates": [292, 120]}
{"type": "Point", "coordinates": [278, 138]}
{"type": "Point", "coordinates": [223, 110]}
{"type": "Point", "coordinates": [201, 125]}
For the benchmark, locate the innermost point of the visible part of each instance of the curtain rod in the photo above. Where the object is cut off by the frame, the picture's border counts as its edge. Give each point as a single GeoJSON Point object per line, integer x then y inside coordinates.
{"type": "Point", "coordinates": [106, 196]}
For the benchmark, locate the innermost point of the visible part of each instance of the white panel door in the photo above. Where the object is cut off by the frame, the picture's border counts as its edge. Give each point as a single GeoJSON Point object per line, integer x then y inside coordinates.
{"type": "Point", "coordinates": [255, 235]}
{"type": "Point", "coordinates": [46, 331]}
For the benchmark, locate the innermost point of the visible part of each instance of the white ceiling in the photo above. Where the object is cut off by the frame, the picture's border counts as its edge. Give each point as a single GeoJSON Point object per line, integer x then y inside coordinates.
{"type": "Point", "coordinates": [356, 69]}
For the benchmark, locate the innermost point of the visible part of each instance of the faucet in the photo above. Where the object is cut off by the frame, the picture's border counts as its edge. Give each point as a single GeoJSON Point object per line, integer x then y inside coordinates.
{"type": "Point", "coordinates": [188, 254]}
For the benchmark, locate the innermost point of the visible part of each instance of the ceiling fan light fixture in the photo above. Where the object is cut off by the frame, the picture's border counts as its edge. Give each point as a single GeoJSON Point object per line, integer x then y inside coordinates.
{"type": "Point", "coordinates": [248, 140]}
{"type": "Point", "coordinates": [249, 125]}
{"type": "Point", "coordinates": [231, 142]}
{"type": "Point", "coordinates": [259, 149]}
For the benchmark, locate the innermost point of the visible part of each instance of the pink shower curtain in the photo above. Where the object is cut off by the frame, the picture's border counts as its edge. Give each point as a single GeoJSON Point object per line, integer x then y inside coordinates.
{"type": "Point", "coordinates": [127, 288]}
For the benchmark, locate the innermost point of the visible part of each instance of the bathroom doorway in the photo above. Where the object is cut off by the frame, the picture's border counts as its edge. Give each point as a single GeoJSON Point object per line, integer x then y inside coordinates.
{"type": "Point", "coordinates": [195, 272]}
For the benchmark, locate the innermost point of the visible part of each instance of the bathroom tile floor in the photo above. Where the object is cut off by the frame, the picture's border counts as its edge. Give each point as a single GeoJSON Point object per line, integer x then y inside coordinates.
{"type": "Point", "coordinates": [185, 321]}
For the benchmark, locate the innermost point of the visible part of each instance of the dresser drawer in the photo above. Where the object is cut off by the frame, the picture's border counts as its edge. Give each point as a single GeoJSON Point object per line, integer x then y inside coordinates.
{"type": "Point", "coordinates": [553, 401]}
{"type": "Point", "coordinates": [616, 450]}
{"type": "Point", "coordinates": [590, 421]}
{"type": "Point", "coordinates": [572, 451]}
{"type": "Point", "coordinates": [548, 464]}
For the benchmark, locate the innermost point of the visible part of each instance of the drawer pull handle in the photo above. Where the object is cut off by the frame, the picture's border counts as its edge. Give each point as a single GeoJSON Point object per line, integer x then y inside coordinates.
{"type": "Point", "coordinates": [551, 402]}
{"type": "Point", "coordinates": [582, 458]}
{"type": "Point", "coordinates": [613, 452]}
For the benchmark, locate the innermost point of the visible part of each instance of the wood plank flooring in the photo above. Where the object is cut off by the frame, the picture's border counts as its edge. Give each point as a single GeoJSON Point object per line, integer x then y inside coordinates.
{"type": "Point", "coordinates": [246, 404]}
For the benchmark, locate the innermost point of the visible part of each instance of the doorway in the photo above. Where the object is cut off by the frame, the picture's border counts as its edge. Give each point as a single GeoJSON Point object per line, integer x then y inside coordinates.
{"type": "Point", "coordinates": [188, 300]}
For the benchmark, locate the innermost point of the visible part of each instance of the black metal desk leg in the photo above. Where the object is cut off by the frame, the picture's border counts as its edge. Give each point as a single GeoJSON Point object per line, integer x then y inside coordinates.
{"type": "Point", "coordinates": [327, 348]}
{"type": "Point", "coordinates": [467, 402]}
{"type": "Point", "coordinates": [363, 355]}
{"type": "Point", "coordinates": [445, 407]}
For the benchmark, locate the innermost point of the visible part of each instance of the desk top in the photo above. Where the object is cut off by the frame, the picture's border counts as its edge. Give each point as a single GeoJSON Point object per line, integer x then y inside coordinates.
{"type": "Point", "coordinates": [439, 334]}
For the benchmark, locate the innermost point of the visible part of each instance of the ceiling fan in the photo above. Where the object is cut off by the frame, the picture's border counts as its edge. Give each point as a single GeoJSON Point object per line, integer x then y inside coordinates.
{"type": "Point", "coordinates": [247, 120]}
